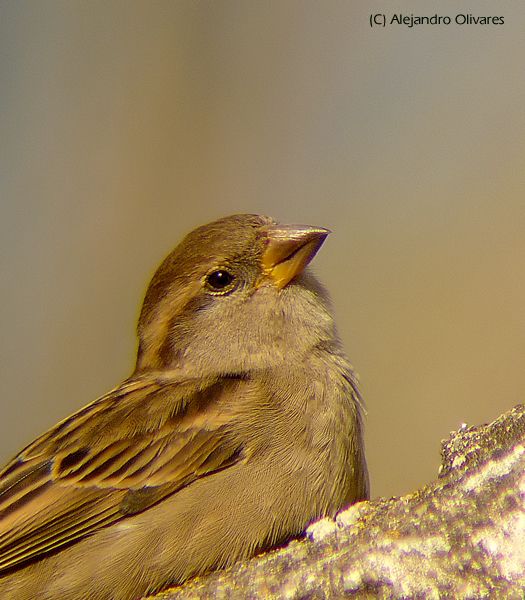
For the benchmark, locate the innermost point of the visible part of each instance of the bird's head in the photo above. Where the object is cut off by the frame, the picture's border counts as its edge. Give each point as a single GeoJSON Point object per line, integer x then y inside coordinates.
{"type": "Point", "coordinates": [234, 296]}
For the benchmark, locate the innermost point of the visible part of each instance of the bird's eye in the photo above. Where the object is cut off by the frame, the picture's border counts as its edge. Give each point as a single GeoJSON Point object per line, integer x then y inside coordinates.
{"type": "Point", "coordinates": [220, 281]}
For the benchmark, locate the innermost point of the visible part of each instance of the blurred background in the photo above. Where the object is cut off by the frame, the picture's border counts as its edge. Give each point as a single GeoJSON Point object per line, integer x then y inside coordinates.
{"type": "Point", "coordinates": [125, 124]}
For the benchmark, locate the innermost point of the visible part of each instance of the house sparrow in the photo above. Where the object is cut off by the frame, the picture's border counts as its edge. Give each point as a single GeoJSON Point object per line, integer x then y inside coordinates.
{"type": "Point", "coordinates": [240, 425]}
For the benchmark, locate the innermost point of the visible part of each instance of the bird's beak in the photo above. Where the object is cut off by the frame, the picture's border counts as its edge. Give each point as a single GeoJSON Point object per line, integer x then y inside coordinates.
{"type": "Point", "coordinates": [289, 249]}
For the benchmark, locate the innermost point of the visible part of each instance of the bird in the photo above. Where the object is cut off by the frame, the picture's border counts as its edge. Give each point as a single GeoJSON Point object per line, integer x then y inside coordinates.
{"type": "Point", "coordinates": [241, 424]}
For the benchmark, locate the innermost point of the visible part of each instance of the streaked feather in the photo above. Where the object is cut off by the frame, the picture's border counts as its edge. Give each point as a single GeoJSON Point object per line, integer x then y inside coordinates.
{"type": "Point", "coordinates": [115, 457]}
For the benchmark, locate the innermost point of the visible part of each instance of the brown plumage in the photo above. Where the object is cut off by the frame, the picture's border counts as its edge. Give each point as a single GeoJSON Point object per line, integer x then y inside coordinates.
{"type": "Point", "coordinates": [239, 426]}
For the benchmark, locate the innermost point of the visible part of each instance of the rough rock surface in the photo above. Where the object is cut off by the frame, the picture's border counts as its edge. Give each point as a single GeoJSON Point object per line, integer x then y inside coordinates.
{"type": "Point", "coordinates": [461, 536]}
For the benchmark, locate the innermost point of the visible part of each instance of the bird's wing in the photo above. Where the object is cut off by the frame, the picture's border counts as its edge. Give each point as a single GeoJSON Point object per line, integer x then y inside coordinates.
{"type": "Point", "coordinates": [116, 457]}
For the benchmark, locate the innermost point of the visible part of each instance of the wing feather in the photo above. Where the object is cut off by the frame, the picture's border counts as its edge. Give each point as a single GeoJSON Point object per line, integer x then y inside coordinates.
{"type": "Point", "coordinates": [116, 457]}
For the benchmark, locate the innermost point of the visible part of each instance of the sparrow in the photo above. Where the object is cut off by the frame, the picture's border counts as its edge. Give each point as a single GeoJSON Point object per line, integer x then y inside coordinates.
{"type": "Point", "coordinates": [240, 425]}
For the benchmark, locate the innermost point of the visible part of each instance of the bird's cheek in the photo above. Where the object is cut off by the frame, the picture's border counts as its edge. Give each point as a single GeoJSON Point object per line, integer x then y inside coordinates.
{"type": "Point", "coordinates": [241, 337]}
